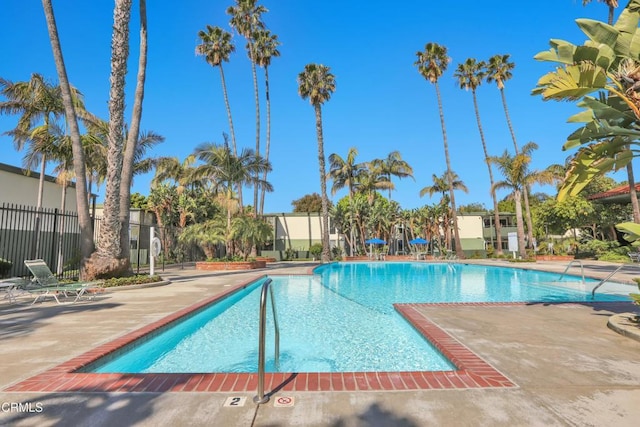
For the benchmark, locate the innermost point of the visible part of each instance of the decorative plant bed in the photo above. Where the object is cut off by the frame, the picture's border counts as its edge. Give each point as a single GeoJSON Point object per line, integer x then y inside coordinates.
{"type": "Point", "coordinates": [230, 265]}
{"type": "Point", "coordinates": [554, 257]}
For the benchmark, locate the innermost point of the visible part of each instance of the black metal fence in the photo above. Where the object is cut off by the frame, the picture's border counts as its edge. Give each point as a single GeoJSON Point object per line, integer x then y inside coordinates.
{"type": "Point", "coordinates": [54, 236]}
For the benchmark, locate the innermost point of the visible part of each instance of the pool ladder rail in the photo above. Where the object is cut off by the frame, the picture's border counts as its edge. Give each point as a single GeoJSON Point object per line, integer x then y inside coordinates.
{"type": "Point", "coordinates": [266, 288]}
{"type": "Point", "coordinates": [602, 282]}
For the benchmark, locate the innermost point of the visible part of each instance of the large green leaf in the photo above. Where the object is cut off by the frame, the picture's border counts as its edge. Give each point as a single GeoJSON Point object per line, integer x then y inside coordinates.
{"type": "Point", "coordinates": [627, 26]}
{"type": "Point", "coordinates": [561, 51]}
{"type": "Point", "coordinates": [590, 163]}
{"type": "Point", "coordinates": [571, 82]}
{"type": "Point", "coordinates": [597, 130]}
{"type": "Point", "coordinates": [631, 230]}
{"type": "Point", "coordinates": [599, 32]}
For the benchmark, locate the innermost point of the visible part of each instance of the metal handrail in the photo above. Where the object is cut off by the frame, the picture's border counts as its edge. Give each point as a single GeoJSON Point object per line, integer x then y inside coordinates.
{"type": "Point", "coordinates": [593, 292]}
{"type": "Point", "coordinates": [261, 397]}
{"type": "Point", "coordinates": [569, 266]}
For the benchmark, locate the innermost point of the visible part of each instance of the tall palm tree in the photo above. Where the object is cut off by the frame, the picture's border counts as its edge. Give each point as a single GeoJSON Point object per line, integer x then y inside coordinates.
{"type": "Point", "coordinates": [216, 47]}
{"type": "Point", "coordinates": [432, 63]}
{"type": "Point", "coordinates": [108, 259]}
{"type": "Point", "coordinates": [82, 201]}
{"type": "Point", "coordinates": [499, 71]}
{"type": "Point", "coordinates": [130, 158]}
{"type": "Point", "coordinates": [441, 184]}
{"type": "Point", "coordinates": [345, 173]}
{"type": "Point", "coordinates": [227, 172]}
{"type": "Point", "coordinates": [517, 176]}
{"type": "Point", "coordinates": [512, 168]}
{"type": "Point", "coordinates": [470, 75]}
{"type": "Point", "coordinates": [393, 165]}
{"type": "Point", "coordinates": [266, 47]}
{"type": "Point", "coordinates": [39, 104]}
{"type": "Point", "coordinates": [372, 180]}
{"type": "Point", "coordinates": [171, 168]}
{"type": "Point", "coordinates": [246, 19]}
{"type": "Point", "coordinates": [317, 84]}
{"type": "Point", "coordinates": [611, 4]}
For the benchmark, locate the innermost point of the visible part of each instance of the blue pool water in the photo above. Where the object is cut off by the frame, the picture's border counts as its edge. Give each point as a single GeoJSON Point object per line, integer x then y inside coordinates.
{"type": "Point", "coordinates": [341, 319]}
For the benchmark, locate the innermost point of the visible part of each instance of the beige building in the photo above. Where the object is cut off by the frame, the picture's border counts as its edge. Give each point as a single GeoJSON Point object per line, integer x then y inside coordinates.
{"type": "Point", "coordinates": [297, 232]}
{"type": "Point", "coordinates": [20, 189]}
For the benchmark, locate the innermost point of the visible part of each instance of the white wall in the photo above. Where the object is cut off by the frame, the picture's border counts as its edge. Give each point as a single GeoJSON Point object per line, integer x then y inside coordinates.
{"type": "Point", "coordinates": [17, 188]}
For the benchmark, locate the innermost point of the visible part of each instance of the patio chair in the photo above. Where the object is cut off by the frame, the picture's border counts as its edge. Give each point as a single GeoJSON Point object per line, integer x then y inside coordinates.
{"type": "Point", "coordinates": [635, 256]}
{"type": "Point", "coordinates": [45, 284]}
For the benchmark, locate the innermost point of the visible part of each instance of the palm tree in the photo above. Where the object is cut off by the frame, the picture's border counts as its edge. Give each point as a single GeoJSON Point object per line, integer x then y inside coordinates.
{"type": "Point", "coordinates": [35, 100]}
{"type": "Point", "coordinates": [266, 47]}
{"type": "Point", "coordinates": [345, 173]}
{"type": "Point", "coordinates": [130, 157]}
{"type": "Point", "coordinates": [441, 184]}
{"type": "Point", "coordinates": [432, 63]}
{"type": "Point", "coordinates": [171, 168]}
{"type": "Point", "coordinates": [227, 172]}
{"type": "Point", "coordinates": [470, 75]}
{"type": "Point", "coordinates": [217, 47]}
{"type": "Point", "coordinates": [499, 71]}
{"type": "Point", "coordinates": [318, 84]}
{"type": "Point", "coordinates": [393, 165]}
{"type": "Point", "coordinates": [246, 20]}
{"type": "Point", "coordinates": [371, 180]}
{"type": "Point", "coordinates": [515, 170]}
{"type": "Point", "coordinates": [84, 220]}
{"type": "Point", "coordinates": [612, 4]}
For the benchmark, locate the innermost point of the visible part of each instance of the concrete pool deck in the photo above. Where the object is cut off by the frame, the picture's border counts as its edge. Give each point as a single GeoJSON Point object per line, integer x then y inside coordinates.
{"type": "Point", "coordinates": [569, 368]}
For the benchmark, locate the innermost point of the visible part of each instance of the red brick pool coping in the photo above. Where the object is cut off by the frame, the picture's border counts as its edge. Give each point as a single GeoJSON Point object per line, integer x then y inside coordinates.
{"type": "Point", "coordinates": [471, 372]}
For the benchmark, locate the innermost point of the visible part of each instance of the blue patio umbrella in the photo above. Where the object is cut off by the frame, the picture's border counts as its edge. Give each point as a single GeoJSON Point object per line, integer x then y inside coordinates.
{"type": "Point", "coordinates": [375, 241]}
{"type": "Point", "coordinates": [418, 241]}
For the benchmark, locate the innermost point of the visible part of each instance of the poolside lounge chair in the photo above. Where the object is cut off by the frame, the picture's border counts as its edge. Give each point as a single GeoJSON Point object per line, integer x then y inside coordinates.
{"type": "Point", "coordinates": [635, 256]}
{"type": "Point", "coordinates": [45, 284]}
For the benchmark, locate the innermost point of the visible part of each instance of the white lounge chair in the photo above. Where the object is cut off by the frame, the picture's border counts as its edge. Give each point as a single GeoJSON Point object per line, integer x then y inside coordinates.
{"type": "Point", "coordinates": [46, 284]}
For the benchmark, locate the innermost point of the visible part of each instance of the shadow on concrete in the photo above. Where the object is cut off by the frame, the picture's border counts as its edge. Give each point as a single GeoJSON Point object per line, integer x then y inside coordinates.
{"type": "Point", "coordinates": [376, 415]}
{"type": "Point", "coordinates": [79, 408]}
{"type": "Point", "coordinates": [19, 320]}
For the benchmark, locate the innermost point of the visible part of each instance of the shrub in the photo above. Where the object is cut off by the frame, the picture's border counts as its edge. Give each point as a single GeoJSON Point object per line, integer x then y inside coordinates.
{"type": "Point", "coordinates": [315, 250]}
{"type": "Point", "coordinates": [5, 266]}
{"type": "Point", "coordinates": [132, 280]}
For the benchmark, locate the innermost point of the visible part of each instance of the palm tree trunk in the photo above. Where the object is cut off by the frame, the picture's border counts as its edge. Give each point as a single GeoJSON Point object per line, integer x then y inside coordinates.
{"type": "Point", "coordinates": [132, 140]}
{"type": "Point", "coordinates": [268, 136]}
{"type": "Point", "coordinates": [63, 207]}
{"type": "Point", "coordinates": [456, 232]}
{"type": "Point", "coordinates": [38, 224]}
{"type": "Point", "coordinates": [520, 224]}
{"type": "Point", "coordinates": [257, 100]}
{"type": "Point", "coordinates": [496, 213]}
{"type": "Point", "coordinates": [525, 191]}
{"type": "Point", "coordinates": [326, 254]}
{"type": "Point", "coordinates": [82, 201]}
{"type": "Point", "coordinates": [107, 262]}
{"type": "Point", "coordinates": [231, 129]}
{"type": "Point", "coordinates": [527, 210]}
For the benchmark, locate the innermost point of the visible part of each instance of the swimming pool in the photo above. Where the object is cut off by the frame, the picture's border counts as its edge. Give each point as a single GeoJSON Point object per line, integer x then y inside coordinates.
{"type": "Point", "coordinates": [340, 319]}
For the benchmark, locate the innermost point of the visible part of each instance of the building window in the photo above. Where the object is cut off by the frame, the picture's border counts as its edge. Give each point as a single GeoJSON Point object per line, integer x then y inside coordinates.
{"type": "Point", "coordinates": [487, 223]}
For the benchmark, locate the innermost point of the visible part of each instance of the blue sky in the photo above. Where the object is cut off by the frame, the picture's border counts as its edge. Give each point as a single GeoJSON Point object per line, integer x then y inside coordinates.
{"type": "Point", "coordinates": [381, 103]}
